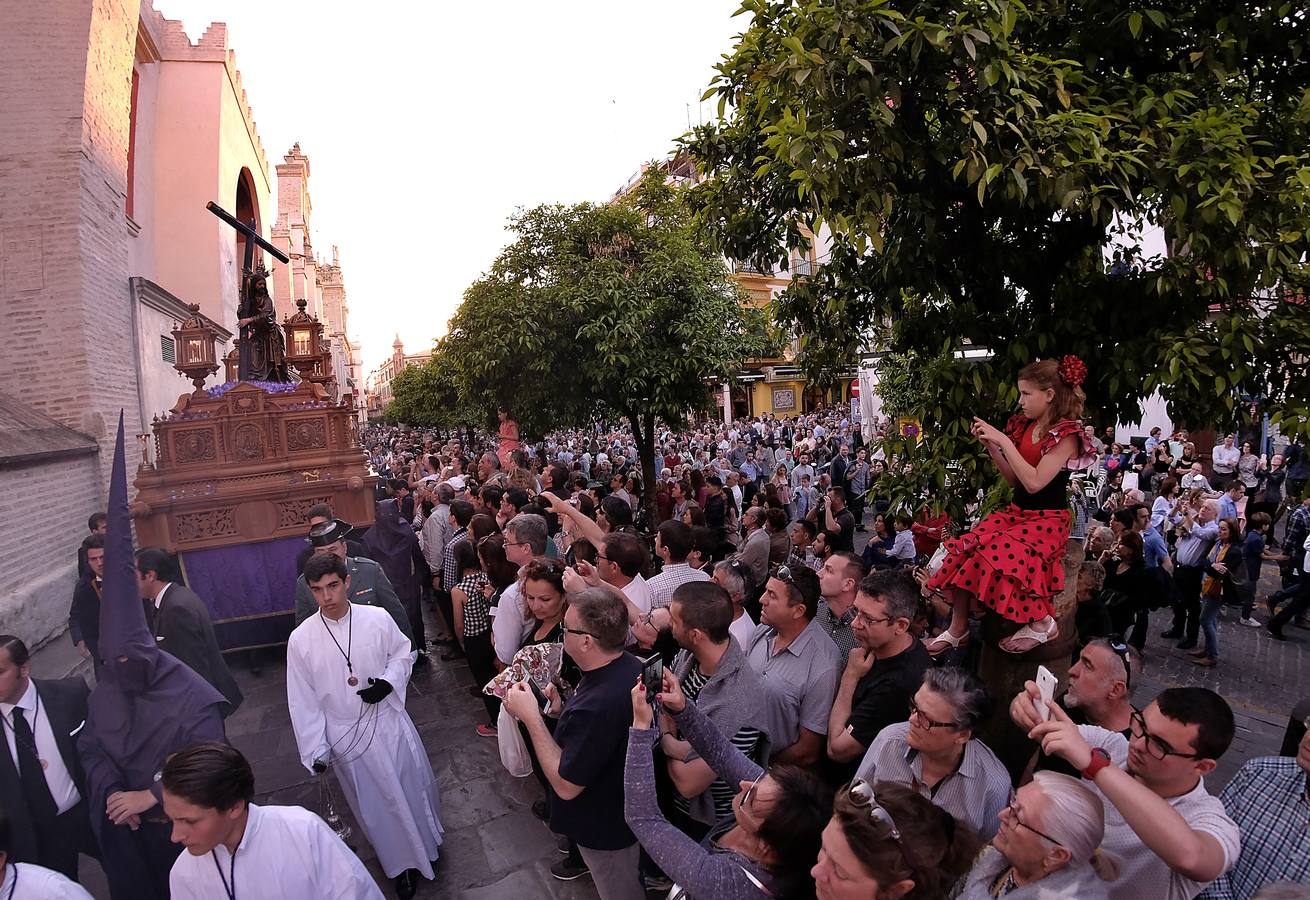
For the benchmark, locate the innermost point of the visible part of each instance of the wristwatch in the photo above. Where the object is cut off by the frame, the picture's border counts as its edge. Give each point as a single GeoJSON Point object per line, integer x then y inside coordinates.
{"type": "Point", "coordinates": [1100, 759]}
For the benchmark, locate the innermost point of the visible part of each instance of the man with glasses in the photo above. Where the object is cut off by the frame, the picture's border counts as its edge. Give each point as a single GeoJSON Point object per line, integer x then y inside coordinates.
{"type": "Point", "coordinates": [525, 540]}
{"type": "Point", "coordinates": [583, 760]}
{"type": "Point", "coordinates": [798, 664]}
{"type": "Point", "coordinates": [882, 673]}
{"type": "Point", "coordinates": [1171, 835]}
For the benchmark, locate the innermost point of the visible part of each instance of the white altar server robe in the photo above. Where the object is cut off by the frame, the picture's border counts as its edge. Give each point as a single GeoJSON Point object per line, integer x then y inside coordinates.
{"type": "Point", "coordinates": [286, 852]}
{"type": "Point", "coordinates": [374, 749]}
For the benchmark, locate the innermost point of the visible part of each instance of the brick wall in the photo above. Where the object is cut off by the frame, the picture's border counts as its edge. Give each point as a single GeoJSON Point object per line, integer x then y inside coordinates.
{"type": "Point", "coordinates": [64, 295]}
{"type": "Point", "coordinates": [63, 236]}
{"type": "Point", "coordinates": [42, 523]}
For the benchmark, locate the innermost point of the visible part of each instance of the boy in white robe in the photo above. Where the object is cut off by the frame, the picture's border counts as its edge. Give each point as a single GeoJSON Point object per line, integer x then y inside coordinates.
{"type": "Point", "coordinates": [235, 848]}
{"type": "Point", "coordinates": [348, 666]}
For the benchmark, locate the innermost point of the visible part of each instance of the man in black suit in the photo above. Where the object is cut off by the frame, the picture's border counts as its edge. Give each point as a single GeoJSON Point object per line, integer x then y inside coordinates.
{"type": "Point", "coordinates": [42, 785]}
{"type": "Point", "coordinates": [181, 623]}
{"type": "Point", "coordinates": [84, 613]}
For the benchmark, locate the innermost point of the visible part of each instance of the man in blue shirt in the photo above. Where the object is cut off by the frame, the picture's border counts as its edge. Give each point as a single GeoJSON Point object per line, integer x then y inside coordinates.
{"type": "Point", "coordinates": [1155, 548]}
{"type": "Point", "coordinates": [1228, 500]}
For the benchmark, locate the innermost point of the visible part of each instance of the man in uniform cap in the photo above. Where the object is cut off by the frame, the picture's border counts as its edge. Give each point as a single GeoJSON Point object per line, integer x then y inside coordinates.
{"type": "Point", "coordinates": [368, 583]}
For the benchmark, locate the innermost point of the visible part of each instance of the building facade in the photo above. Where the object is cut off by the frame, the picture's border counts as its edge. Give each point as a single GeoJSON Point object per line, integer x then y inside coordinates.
{"type": "Point", "coordinates": [378, 389]}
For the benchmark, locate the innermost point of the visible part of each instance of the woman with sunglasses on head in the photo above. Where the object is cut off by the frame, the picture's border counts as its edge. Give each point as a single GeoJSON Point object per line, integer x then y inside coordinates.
{"type": "Point", "coordinates": [886, 841]}
{"type": "Point", "coordinates": [1046, 847]}
{"type": "Point", "coordinates": [765, 850]}
{"type": "Point", "coordinates": [936, 753]}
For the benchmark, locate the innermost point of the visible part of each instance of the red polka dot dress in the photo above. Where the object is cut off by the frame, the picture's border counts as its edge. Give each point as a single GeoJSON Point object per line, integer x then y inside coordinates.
{"type": "Point", "coordinates": [1013, 560]}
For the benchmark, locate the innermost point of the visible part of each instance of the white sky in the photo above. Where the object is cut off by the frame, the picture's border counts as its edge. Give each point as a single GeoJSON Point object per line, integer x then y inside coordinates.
{"type": "Point", "coordinates": [428, 123]}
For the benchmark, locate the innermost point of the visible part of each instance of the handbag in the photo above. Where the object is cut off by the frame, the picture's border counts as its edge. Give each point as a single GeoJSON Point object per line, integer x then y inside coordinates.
{"type": "Point", "coordinates": [513, 749]}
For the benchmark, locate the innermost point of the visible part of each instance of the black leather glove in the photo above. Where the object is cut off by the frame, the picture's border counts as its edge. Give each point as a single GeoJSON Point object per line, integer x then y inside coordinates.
{"type": "Point", "coordinates": [319, 766]}
{"type": "Point", "coordinates": [376, 691]}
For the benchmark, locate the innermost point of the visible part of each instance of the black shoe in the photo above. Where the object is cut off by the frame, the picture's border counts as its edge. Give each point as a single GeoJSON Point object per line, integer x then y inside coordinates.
{"type": "Point", "coordinates": [563, 844]}
{"type": "Point", "coordinates": [1186, 645]}
{"type": "Point", "coordinates": [1171, 635]}
{"type": "Point", "coordinates": [569, 868]}
{"type": "Point", "coordinates": [541, 809]}
{"type": "Point", "coordinates": [1275, 633]}
{"type": "Point", "coordinates": [406, 884]}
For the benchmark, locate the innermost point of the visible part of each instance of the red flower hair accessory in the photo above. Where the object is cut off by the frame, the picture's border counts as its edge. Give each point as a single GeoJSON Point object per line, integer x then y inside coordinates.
{"type": "Point", "coordinates": [1072, 370]}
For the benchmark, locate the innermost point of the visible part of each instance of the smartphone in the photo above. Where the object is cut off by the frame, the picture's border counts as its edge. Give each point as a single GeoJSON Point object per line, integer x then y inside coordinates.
{"type": "Point", "coordinates": [652, 675]}
{"type": "Point", "coordinates": [539, 694]}
{"type": "Point", "coordinates": [1046, 683]}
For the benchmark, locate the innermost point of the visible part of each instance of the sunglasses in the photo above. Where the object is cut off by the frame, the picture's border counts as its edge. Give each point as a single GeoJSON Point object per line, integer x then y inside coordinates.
{"type": "Point", "coordinates": [1121, 650]}
{"type": "Point", "coordinates": [862, 795]}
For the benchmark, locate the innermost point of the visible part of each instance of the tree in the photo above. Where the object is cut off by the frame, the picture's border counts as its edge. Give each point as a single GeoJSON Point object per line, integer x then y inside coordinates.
{"type": "Point", "coordinates": [433, 395]}
{"type": "Point", "coordinates": [600, 311]}
{"type": "Point", "coordinates": [986, 170]}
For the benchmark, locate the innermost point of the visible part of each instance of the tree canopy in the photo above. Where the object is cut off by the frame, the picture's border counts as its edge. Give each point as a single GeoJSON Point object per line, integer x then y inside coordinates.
{"type": "Point", "coordinates": [990, 172]}
{"type": "Point", "coordinates": [599, 311]}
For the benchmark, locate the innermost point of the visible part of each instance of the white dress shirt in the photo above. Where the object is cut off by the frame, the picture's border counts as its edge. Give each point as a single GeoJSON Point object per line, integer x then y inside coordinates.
{"type": "Point", "coordinates": [57, 776]}
{"type": "Point", "coordinates": [28, 881]}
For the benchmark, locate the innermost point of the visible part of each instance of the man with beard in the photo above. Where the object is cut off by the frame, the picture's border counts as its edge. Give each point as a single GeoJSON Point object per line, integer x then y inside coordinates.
{"type": "Point", "coordinates": [145, 706]}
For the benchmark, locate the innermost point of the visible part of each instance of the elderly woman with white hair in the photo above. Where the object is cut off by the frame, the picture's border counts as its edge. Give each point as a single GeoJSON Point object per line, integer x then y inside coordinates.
{"type": "Point", "coordinates": [1046, 848]}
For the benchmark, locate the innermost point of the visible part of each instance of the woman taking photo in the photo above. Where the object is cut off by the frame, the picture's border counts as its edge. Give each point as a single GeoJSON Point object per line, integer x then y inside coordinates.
{"type": "Point", "coordinates": [768, 845]}
{"type": "Point", "coordinates": [1225, 577]}
{"type": "Point", "coordinates": [1046, 847]}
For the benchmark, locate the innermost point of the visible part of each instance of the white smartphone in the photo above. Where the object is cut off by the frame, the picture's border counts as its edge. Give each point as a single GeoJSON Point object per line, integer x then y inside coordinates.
{"type": "Point", "coordinates": [1046, 684]}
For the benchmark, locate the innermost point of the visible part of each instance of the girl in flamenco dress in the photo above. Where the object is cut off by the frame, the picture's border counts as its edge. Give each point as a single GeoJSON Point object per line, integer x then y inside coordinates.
{"type": "Point", "coordinates": [1012, 561]}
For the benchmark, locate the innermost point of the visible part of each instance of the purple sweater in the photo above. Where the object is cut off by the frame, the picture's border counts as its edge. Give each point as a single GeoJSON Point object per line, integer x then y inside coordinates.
{"type": "Point", "coordinates": [704, 871]}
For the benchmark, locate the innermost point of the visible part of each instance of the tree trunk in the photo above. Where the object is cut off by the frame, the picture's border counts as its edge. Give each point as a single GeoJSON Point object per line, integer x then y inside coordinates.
{"type": "Point", "coordinates": [644, 427]}
{"type": "Point", "coordinates": [1005, 673]}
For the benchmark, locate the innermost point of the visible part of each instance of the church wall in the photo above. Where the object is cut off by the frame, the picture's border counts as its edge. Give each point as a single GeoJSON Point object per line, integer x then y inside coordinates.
{"type": "Point", "coordinates": [161, 385]}
{"type": "Point", "coordinates": [189, 241]}
{"type": "Point", "coordinates": [141, 249]}
{"type": "Point", "coordinates": [63, 291]}
{"type": "Point", "coordinates": [238, 149]}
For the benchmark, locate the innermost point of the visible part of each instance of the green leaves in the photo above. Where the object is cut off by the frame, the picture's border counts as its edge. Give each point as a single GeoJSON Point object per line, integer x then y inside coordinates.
{"type": "Point", "coordinates": [1129, 184]}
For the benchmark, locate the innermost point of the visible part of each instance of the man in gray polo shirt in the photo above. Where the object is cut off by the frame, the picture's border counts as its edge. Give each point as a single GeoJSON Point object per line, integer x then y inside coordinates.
{"type": "Point", "coordinates": [799, 665]}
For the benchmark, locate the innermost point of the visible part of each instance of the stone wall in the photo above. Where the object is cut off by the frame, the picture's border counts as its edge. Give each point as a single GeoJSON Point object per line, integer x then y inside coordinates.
{"type": "Point", "coordinates": [42, 524]}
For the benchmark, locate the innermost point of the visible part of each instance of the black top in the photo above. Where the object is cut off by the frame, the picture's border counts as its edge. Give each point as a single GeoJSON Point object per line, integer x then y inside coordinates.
{"type": "Point", "coordinates": [882, 697]}
{"type": "Point", "coordinates": [845, 539]}
{"type": "Point", "coordinates": [593, 738]}
{"type": "Point", "coordinates": [1091, 621]}
{"type": "Point", "coordinates": [1054, 496]}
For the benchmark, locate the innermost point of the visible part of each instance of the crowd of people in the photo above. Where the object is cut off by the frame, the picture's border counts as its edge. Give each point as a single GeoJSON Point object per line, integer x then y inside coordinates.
{"type": "Point", "coordinates": [768, 690]}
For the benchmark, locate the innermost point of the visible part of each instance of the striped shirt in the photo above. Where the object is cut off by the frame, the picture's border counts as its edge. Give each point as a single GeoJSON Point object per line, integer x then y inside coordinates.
{"type": "Point", "coordinates": [975, 793]}
{"type": "Point", "coordinates": [748, 740]}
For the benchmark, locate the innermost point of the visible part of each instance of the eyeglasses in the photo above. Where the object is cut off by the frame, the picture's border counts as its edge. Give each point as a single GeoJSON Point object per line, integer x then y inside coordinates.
{"type": "Point", "coordinates": [1121, 650]}
{"type": "Point", "coordinates": [515, 543]}
{"type": "Point", "coordinates": [861, 794]}
{"type": "Point", "coordinates": [750, 792]}
{"type": "Point", "coordinates": [1013, 809]}
{"type": "Point", "coordinates": [1156, 746]}
{"type": "Point", "coordinates": [862, 618]}
{"type": "Point", "coordinates": [916, 713]}
{"type": "Point", "coordinates": [577, 631]}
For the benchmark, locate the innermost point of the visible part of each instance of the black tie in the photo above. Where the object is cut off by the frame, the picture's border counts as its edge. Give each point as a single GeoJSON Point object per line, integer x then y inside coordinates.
{"type": "Point", "coordinates": [40, 802]}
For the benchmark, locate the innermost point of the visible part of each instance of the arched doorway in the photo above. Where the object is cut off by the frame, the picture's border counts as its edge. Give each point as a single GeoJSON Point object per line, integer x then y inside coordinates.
{"type": "Point", "coordinates": [246, 208]}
